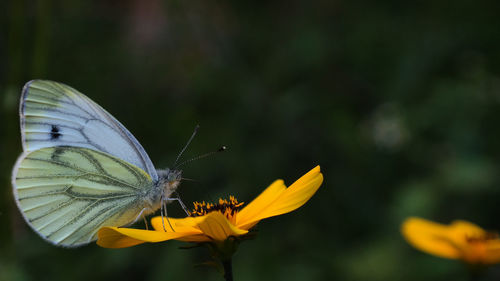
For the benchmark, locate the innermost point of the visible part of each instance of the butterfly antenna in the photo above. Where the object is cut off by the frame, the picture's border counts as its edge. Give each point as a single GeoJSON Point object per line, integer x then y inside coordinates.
{"type": "Point", "coordinates": [221, 149]}
{"type": "Point", "coordinates": [188, 179]}
{"type": "Point", "coordinates": [187, 144]}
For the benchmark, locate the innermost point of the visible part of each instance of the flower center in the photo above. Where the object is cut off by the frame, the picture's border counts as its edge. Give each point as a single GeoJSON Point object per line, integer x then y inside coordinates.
{"type": "Point", "coordinates": [228, 208]}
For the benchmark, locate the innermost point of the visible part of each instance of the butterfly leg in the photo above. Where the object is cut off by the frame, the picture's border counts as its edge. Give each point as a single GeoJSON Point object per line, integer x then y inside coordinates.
{"type": "Point", "coordinates": [178, 199]}
{"type": "Point", "coordinates": [161, 214]}
{"type": "Point", "coordinates": [143, 216]}
{"type": "Point", "coordinates": [163, 209]}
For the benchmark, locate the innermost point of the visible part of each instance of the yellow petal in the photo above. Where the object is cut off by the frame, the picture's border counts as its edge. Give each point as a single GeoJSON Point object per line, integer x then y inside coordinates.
{"type": "Point", "coordinates": [217, 226]}
{"type": "Point", "coordinates": [430, 237]}
{"type": "Point", "coordinates": [187, 224]}
{"type": "Point", "coordinates": [120, 237]}
{"type": "Point", "coordinates": [178, 224]}
{"type": "Point", "coordinates": [197, 238]}
{"type": "Point", "coordinates": [492, 254]}
{"type": "Point", "coordinates": [109, 238]}
{"type": "Point", "coordinates": [293, 197]}
{"type": "Point", "coordinates": [485, 251]}
{"type": "Point", "coordinates": [313, 173]}
{"type": "Point", "coordinates": [467, 228]}
{"type": "Point", "coordinates": [438, 239]}
{"type": "Point", "coordinates": [261, 202]}
{"type": "Point", "coordinates": [277, 199]}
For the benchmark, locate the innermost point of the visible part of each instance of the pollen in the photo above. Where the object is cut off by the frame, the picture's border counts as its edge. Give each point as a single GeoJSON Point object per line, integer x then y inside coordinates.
{"type": "Point", "coordinates": [228, 208]}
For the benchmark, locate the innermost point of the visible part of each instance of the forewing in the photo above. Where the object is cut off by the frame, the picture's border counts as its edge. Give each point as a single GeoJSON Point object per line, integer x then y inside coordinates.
{"type": "Point", "coordinates": [67, 193]}
{"type": "Point", "coordinates": [54, 114]}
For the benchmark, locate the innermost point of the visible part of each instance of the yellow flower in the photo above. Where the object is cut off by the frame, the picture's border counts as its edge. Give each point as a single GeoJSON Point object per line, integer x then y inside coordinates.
{"type": "Point", "coordinates": [459, 240]}
{"type": "Point", "coordinates": [218, 222]}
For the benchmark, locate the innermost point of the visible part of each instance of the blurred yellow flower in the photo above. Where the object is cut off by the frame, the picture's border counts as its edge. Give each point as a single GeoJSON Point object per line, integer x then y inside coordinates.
{"type": "Point", "coordinates": [459, 240]}
{"type": "Point", "coordinates": [219, 222]}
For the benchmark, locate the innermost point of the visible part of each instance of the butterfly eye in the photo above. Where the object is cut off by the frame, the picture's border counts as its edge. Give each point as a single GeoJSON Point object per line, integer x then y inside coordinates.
{"type": "Point", "coordinates": [174, 176]}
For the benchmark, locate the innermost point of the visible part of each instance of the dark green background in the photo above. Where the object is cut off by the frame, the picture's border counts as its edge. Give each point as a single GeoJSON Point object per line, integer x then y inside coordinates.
{"type": "Point", "coordinates": [399, 102]}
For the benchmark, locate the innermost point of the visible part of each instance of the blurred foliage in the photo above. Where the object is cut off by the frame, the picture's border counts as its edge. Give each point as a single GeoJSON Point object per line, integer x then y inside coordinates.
{"type": "Point", "coordinates": [397, 101]}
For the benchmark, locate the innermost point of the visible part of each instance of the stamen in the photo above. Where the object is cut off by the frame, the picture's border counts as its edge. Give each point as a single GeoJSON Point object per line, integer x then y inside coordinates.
{"type": "Point", "coordinates": [226, 207]}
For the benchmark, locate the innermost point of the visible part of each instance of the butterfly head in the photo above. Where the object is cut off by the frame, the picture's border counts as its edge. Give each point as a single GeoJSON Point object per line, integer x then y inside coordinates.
{"type": "Point", "coordinates": [169, 179]}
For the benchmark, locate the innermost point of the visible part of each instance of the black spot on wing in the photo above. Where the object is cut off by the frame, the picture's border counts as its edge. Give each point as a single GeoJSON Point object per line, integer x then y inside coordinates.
{"type": "Point", "coordinates": [54, 133]}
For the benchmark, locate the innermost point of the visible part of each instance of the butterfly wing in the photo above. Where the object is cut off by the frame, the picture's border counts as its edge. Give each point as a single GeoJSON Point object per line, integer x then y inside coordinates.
{"type": "Point", "coordinates": [54, 114]}
{"type": "Point", "coordinates": [67, 193]}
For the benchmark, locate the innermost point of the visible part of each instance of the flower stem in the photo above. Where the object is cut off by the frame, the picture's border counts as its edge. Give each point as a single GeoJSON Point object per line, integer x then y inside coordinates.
{"type": "Point", "coordinates": [228, 269]}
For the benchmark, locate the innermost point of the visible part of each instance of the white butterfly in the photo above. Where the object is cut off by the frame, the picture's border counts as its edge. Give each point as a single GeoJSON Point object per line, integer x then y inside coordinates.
{"type": "Point", "coordinates": [81, 169]}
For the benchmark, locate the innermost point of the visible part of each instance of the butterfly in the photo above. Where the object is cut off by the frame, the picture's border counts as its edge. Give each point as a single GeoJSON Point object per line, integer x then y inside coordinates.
{"type": "Point", "coordinates": [80, 168]}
